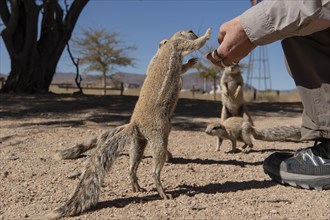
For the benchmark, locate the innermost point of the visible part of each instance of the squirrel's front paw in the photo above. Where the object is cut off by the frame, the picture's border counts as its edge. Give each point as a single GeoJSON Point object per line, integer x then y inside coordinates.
{"type": "Point", "coordinates": [236, 94]}
{"type": "Point", "coordinates": [208, 33]}
{"type": "Point", "coordinates": [193, 61]}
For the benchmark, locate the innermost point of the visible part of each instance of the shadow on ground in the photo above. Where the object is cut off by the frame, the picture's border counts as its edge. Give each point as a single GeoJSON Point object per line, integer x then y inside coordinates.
{"type": "Point", "coordinates": [189, 190]}
{"type": "Point", "coordinates": [180, 160]}
{"type": "Point", "coordinates": [114, 108]}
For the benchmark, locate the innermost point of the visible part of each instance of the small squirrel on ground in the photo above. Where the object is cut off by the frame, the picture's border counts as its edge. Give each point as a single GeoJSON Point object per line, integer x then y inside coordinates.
{"type": "Point", "coordinates": [238, 129]}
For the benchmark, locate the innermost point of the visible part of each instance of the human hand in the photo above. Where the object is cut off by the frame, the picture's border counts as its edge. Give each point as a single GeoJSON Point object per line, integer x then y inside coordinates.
{"type": "Point", "coordinates": [234, 44]}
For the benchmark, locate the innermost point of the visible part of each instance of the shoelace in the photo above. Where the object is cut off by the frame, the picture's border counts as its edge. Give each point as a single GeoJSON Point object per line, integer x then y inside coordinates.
{"type": "Point", "coordinates": [322, 149]}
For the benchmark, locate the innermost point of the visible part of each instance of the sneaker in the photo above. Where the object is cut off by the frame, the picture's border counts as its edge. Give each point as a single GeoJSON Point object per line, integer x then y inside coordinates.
{"type": "Point", "coordinates": [308, 168]}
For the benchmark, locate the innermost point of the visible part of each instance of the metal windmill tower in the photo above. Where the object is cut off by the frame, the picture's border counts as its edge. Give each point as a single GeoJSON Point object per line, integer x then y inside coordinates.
{"type": "Point", "coordinates": [258, 72]}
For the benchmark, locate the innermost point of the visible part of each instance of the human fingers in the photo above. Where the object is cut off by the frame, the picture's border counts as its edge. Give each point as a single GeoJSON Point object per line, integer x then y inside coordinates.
{"type": "Point", "coordinates": [221, 33]}
{"type": "Point", "coordinates": [217, 60]}
{"type": "Point", "coordinates": [235, 44]}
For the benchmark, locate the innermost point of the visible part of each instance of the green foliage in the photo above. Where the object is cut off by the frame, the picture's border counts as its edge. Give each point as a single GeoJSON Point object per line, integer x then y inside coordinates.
{"type": "Point", "coordinates": [102, 51]}
{"type": "Point", "coordinates": [209, 71]}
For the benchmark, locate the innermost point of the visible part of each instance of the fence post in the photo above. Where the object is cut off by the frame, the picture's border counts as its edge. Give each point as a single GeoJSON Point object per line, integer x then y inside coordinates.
{"type": "Point", "coordinates": [121, 88]}
{"type": "Point", "coordinates": [193, 91]}
{"type": "Point", "coordinates": [2, 81]}
{"type": "Point", "coordinates": [254, 94]}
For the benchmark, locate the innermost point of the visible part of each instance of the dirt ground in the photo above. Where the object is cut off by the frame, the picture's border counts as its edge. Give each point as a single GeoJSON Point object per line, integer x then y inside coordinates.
{"type": "Point", "coordinates": [204, 184]}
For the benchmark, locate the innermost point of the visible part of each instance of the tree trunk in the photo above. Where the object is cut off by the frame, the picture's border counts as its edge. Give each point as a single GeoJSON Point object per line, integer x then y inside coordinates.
{"type": "Point", "coordinates": [33, 60]}
{"type": "Point", "coordinates": [204, 87]}
{"type": "Point", "coordinates": [215, 88]}
{"type": "Point", "coordinates": [104, 82]}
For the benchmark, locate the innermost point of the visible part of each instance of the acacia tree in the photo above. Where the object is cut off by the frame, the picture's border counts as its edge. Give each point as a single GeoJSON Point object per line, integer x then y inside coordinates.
{"type": "Point", "coordinates": [210, 72]}
{"type": "Point", "coordinates": [35, 48]}
{"type": "Point", "coordinates": [102, 51]}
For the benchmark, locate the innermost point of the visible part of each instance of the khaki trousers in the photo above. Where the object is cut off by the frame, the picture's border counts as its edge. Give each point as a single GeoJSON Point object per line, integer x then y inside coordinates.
{"type": "Point", "coordinates": [308, 60]}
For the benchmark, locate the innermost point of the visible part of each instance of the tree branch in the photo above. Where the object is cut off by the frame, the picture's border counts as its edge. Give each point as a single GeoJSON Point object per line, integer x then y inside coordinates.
{"type": "Point", "coordinates": [4, 12]}
{"type": "Point", "coordinates": [73, 14]}
{"type": "Point", "coordinates": [14, 17]}
{"type": "Point", "coordinates": [70, 21]}
{"type": "Point", "coordinates": [12, 22]}
{"type": "Point", "coordinates": [31, 33]}
{"type": "Point", "coordinates": [78, 78]}
{"type": "Point", "coordinates": [59, 15]}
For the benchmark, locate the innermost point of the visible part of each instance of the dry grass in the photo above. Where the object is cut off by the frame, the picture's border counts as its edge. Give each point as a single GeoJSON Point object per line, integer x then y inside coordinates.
{"type": "Point", "coordinates": [273, 96]}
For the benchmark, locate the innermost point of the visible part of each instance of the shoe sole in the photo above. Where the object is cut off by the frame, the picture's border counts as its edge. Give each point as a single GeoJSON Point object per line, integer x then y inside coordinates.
{"type": "Point", "coordinates": [303, 181]}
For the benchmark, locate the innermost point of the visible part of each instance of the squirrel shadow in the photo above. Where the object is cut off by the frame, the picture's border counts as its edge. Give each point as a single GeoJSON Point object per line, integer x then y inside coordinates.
{"type": "Point", "coordinates": [229, 186]}
{"type": "Point", "coordinates": [189, 190]}
{"type": "Point", "coordinates": [180, 160]}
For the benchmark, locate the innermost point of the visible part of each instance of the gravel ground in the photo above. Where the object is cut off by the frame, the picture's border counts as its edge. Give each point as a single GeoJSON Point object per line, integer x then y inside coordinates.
{"type": "Point", "coordinates": [204, 184]}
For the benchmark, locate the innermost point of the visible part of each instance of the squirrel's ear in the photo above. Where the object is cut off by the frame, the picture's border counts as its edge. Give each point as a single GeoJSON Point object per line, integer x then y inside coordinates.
{"type": "Point", "coordinates": [163, 42]}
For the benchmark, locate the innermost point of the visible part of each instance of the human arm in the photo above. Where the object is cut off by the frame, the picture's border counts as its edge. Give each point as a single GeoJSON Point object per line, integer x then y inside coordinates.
{"type": "Point", "coordinates": [267, 22]}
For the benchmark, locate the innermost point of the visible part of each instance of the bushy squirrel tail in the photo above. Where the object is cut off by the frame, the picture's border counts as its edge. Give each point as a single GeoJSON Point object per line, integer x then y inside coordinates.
{"type": "Point", "coordinates": [78, 149]}
{"type": "Point", "coordinates": [283, 133]}
{"type": "Point", "coordinates": [87, 191]}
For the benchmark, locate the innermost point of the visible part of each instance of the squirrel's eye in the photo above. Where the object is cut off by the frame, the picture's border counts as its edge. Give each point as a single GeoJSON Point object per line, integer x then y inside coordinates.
{"type": "Point", "coordinates": [217, 127]}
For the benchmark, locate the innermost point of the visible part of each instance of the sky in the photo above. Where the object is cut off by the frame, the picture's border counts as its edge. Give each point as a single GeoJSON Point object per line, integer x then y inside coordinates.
{"type": "Point", "coordinates": [145, 23]}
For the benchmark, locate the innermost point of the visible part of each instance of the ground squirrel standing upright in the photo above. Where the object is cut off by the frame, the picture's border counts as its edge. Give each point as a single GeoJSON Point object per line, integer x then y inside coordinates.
{"type": "Point", "coordinates": [150, 123]}
{"type": "Point", "coordinates": [233, 103]}
{"type": "Point", "coordinates": [78, 149]}
{"type": "Point", "coordinates": [238, 129]}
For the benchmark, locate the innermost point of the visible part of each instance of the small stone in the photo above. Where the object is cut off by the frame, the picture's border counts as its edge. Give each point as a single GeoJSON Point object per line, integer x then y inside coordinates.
{"type": "Point", "coordinates": [75, 174]}
{"type": "Point", "coordinates": [12, 157]}
{"type": "Point", "coordinates": [273, 211]}
{"type": "Point", "coordinates": [5, 174]}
